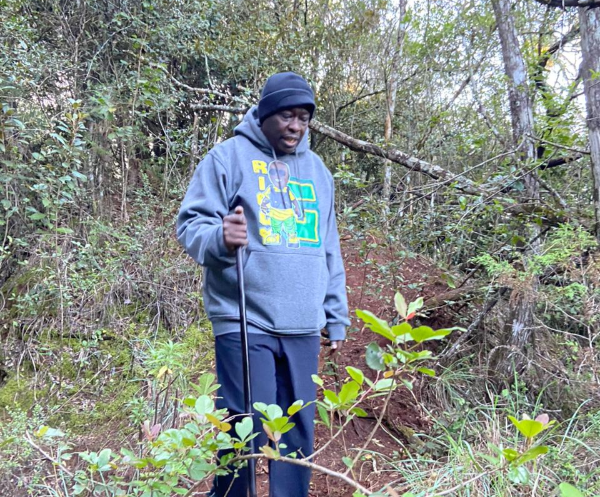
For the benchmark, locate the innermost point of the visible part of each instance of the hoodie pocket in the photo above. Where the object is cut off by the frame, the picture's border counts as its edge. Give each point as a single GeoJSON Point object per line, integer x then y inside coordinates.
{"type": "Point", "coordinates": [286, 291]}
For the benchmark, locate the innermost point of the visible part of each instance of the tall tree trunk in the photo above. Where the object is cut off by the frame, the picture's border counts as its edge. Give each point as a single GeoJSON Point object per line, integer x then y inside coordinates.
{"type": "Point", "coordinates": [589, 19]}
{"type": "Point", "coordinates": [391, 89]}
{"type": "Point", "coordinates": [523, 298]}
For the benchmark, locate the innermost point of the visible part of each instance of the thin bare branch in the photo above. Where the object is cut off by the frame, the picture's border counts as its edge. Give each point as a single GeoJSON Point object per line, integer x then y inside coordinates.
{"type": "Point", "coordinates": [297, 462]}
{"type": "Point", "coordinates": [222, 108]}
{"type": "Point", "coordinates": [208, 91]}
{"type": "Point", "coordinates": [48, 456]}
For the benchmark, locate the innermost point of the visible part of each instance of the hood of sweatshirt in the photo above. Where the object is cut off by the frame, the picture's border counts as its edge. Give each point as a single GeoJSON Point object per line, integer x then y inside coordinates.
{"type": "Point", "coordinates": [250, 128]}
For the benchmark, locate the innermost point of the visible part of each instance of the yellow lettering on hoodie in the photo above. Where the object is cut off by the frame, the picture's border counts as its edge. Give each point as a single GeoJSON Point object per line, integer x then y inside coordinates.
{"type": "Point", "coordinates": [259, 166]}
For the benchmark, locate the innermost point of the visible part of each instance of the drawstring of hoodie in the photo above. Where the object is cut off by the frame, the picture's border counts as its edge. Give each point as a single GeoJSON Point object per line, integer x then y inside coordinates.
{"type": "Point", "coordinates": [278, 178]}
{"type": "Point", "coordinates": [296, 160]}
{"type": "Point", "coordinates": [295, 173]}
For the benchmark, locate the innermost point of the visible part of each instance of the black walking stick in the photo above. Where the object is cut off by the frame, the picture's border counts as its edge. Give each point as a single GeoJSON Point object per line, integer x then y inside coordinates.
{"type": "Point", "coordinates": [245, 362]}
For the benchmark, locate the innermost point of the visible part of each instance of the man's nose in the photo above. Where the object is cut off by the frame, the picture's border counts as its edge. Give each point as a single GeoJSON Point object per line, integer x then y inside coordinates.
{"type": "Point", "coordinates": [294, 125]}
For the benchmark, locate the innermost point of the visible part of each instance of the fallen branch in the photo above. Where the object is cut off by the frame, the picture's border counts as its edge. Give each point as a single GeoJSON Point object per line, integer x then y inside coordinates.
{"type": "Point", "coordinates": [490, 304]}
{"type": "Point", "coordinates": [297, 462]}
{"type": "Point", "coordinates": [436, 300]}
{"type": "Point", "coordinates": [413, 163]}
{"type": "Point", "coordinates": [561, 161]}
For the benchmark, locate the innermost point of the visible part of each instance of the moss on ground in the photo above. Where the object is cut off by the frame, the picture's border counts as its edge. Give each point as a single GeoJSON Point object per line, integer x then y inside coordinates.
{"type": "Point", "coordinates": [20, 392]}
{"type": "Point", "coordinates": [199, 341]}
{"type": "Point", "coordinates": [90, 382]}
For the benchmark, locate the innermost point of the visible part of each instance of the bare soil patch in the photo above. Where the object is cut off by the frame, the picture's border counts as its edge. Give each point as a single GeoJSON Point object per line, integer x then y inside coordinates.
{"type": "Point", "coordinates": [375, 272]}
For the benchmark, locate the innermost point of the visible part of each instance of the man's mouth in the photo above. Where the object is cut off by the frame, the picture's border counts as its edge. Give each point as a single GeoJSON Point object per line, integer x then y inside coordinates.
{"type": "Point", "coordinates": [290, 141]}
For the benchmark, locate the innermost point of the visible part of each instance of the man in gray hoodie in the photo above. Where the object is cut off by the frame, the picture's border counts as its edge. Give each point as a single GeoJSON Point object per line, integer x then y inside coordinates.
{"type": "Point", "coordinates": [264, 189]}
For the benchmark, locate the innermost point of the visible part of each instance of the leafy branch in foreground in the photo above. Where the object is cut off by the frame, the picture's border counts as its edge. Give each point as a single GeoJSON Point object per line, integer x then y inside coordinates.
{"type": "Point", "coordinates": [178, 461]}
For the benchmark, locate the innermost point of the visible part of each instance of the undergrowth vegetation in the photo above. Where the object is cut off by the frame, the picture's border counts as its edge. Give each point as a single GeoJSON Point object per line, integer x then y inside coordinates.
{"type": "Point", "coordinates": [106, 108]}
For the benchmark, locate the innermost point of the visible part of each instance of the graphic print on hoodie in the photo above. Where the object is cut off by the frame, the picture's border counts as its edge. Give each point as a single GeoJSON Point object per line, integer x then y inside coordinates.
{"type": "Point", "coordinates": [289, 211]}
{"type": "Point", "coordinates": [295, 280]}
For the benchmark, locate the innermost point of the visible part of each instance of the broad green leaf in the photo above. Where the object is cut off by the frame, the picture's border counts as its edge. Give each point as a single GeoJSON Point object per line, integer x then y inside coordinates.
{"type": "Point", "coordinates": [204, 405]}
{"type": "Point", "coordinates": [568, 490]}
{"type": "Point", "coordinates": [402, 333]}
{"type": "Point", "coordinates": [8, 441]}
{"type": "Point", "coordinates": [528, 427]}
{"type": "Point", "coordinates": [519, 475]}
{"type": "Point", "coordinates": [348, 392]}
{"type": "Point", "coordinates": [425, 333]}
{"type": "Point", "coordinates": [80, 176]}
{"type": "Point", "coordinates": [376, 325]}
{"type": "Point", "coordinates": [206, 384]}
{"type": "Point", "coordinates": [274, 411]}
{"type": "Point", "coordinates": [323, 414]}
{"type": "Point", "coordinates": [384, 384]}
{"type": "Point", "coordinates": [347, 461]}
{"type": "Point", "coordinates": [361, 413]}
{"type": "Point", "coordinates": [510, 454]}
{"type": "Point", "coordinates": [427, 371]}
{"type": "Point", "coordinates": [197, 470]}
{"type": "Point", "coordinates": [278, 424]}
{"type": "Point", "coordinates": [400, 305]}
{"type": "Point", "coordinates": [104, 458]}
{"type": "Point", "coordinates": [415, 306]}
{"type": "Point", "coordinates": [532, 454]}
{"type": "Point", "coordinates": [318, 381]}
{"type": "Point", "coordinates": [244, 428]}
{"type": "Point", "coordinates": [260, 407]}
{"type": "Point", "coordinates": [374, 357]}
{"type": "Point", "coordinates": [295, 407]}
{"type": "Point", "coordinates": [356, 374]}
{"type": "Point", "coordinates": [331, 397]}
{"type": "Point", "coordinates": [286, 427]}
{"type": "Point", "coordinates": [42, 431]}
{"type": "Point", "coordinates": [269, 452]}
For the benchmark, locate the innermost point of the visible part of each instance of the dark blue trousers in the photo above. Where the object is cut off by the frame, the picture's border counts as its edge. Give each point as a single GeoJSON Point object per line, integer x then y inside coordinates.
{"type": "Point", "coordinates": [280, 373]}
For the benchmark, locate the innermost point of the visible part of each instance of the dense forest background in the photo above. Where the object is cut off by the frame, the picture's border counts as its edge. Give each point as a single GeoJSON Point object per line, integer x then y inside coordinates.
{"type": "Point", "coordinates": [464, 139]}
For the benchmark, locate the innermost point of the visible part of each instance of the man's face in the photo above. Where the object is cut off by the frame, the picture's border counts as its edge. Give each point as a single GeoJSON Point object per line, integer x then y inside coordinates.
{"type": "Point", "coordinates": [285, 129]}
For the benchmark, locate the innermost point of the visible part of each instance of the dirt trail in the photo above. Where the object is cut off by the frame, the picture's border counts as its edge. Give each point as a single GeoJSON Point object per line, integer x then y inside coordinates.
{"type": "Point", "coordinates": [374, 274]}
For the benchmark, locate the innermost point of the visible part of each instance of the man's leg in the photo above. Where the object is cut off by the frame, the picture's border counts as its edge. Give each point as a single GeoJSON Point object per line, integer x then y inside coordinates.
{"type": "Point", "coordinates": [297, 360]}
{"type": "Point", "coordinates": [231, 393]}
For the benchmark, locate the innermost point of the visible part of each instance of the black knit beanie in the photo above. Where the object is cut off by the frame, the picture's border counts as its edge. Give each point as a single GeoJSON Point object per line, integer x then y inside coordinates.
{"type": "Point", "coordinates": [285, 90]}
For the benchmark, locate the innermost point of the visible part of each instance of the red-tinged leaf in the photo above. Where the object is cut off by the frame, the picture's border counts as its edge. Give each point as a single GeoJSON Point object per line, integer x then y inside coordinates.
{"type": "Point", "coordinates": [155, 430]}
{"type": "Point", "coordinates": [543, 418]}
{"type": "Point", "coordinates": [410, 316]}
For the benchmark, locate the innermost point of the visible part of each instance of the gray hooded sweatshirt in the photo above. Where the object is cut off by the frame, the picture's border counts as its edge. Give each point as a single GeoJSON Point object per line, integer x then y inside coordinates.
{"type": "Point", "coordinates": [295, 280]}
